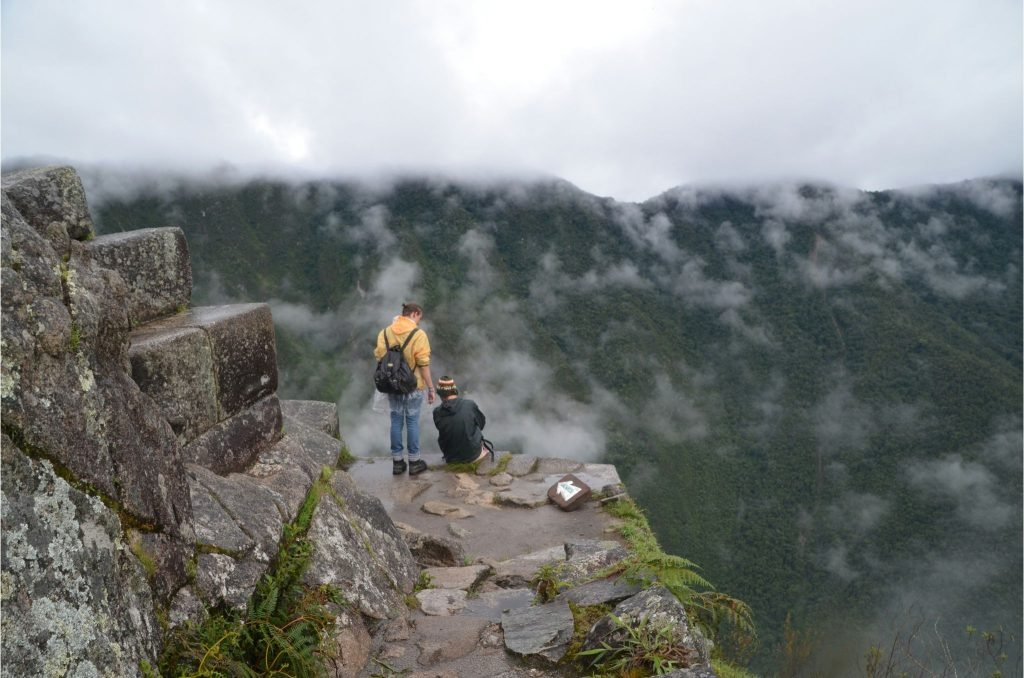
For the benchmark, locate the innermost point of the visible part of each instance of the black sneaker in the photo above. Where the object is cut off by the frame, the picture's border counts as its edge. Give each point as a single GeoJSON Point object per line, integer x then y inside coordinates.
{"type": "Point", "coordinates": [417, 467]}
{"type": "Point", "coordinates": [397, 468]}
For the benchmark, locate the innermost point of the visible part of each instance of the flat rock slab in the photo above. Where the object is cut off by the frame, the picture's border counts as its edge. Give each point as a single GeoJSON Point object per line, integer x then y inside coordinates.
{"type": "Point", "coordinates": [600, 592]}
{"type": "Point", "coordinates": [502, 479]}
{"type": "Point", "coordinates": [520, 465]}
{"type": "Point", "coordinates": [214, 525]}
{"type": "Point", "coordinates": [549, 466]}
{"type": "Point", "coordinates": [288, 472]}
{"type": "Point", "coordinates": [457, 531]}
{"type": "Point", "coordinates": [439, 508]}
{"type": "Point", "coordinates": [520, 570]}
{"type": "Point", "coordinates": [315, 414]}
{"type": "Point", "coordinates": [539, 631]}
{"type": "Point", "coordinates": [406, 491]}
{"type": "Point", "coordinates": [585, 558]}
{"type": "Point", "coordinates": [490, 605]}
{"type": "Point", "coordinates": [443, 639]}
{"type": "Point", "coordinates": [154, 263]}
{"type": "Point", "coordinates": [464, 578]}
{"type": "Point", "coordinates": [495, 533]}
{"type": "Point", "coordinates": [441, 602]}
{"type": "Point", "coordinates": [525, 493]}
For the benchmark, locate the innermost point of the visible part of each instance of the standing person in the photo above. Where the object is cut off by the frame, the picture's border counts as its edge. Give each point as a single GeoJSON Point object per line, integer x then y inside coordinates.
{"type": "Point", "coordinates": [459, 425]}
{"type": "Point", "coordinates": [405, 409]}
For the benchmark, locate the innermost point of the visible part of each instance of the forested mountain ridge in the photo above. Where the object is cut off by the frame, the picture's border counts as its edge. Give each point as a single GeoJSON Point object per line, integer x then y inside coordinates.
{"type": "Point", "coordinates": [814, 391]}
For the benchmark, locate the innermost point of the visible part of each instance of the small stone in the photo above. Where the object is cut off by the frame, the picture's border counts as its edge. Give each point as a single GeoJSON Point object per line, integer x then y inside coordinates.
{"type": "Point", "coordinates": [502, 480]}
{"type": "Point", "coordinates": [485, 499]}
{"type": "Point", "coordinates": [520, 465]}
{"type": "Point", "coordinates": [531, 495]}
{"type": "Point", "coordinates": [457, 577]}
{"type": "Point", "coordinates": [398, 630]}
{"type": "Point", "coordinates": [439, 508]}
{"type": "Point", "coordinates": [492, 636]}
{"type": "Point", "coordinates": [457, 531]}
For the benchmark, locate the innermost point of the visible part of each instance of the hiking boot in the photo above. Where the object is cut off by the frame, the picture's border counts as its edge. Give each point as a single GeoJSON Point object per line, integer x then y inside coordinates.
{"type": "Point", "coordinates": [417, 467]}
{"type": "Point", "coordinates": [397, 467]}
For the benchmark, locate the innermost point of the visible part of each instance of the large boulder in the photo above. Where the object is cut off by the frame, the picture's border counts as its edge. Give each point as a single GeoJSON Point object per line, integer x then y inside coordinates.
{"type": "Point", "coordinates": [154, 264]}
{"type": "Point", "coordinates": [360, 550]}
{"type": "Point", "coordinates": [65, 392]}
{"type": "Point", "coordinates": [52, 199]}
{"type": "Point", "coordinates": [654, 609]}
{"type": "Point", "coordinates": [76, 601]}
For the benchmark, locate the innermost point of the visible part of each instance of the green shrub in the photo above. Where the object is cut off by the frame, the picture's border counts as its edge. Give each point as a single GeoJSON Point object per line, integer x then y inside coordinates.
{"type": "Point", "coordinates": [285, 630]}
{"type": "Point", "coordinates": [644, 650]}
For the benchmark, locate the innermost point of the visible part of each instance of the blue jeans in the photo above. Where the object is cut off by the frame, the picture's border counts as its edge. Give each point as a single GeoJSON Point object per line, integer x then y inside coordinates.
{"type": "Point", "coordinates": [405, 411]}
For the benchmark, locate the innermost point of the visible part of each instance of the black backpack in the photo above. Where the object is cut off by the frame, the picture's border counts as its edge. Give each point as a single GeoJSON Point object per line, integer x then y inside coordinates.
{"type": "Point", "coordinates": [393, 374]}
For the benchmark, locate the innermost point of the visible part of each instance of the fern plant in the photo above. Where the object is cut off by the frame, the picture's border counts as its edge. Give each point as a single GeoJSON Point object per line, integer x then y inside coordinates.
{"type": "Point", "coordinates": [285, 630]}
{"type": "Point", "coordinates": [714, 613]}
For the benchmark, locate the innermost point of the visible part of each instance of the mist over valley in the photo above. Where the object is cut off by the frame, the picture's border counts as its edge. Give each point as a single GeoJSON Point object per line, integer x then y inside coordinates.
{"type": "Point", "coordinates": [813, 391]}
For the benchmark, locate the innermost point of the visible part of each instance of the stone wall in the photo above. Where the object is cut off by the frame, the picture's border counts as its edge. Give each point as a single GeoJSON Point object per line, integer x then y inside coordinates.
{"type": "Point", "coordinates": [146, 475]}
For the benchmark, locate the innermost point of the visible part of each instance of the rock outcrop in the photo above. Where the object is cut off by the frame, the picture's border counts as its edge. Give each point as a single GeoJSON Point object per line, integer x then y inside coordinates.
{"type": "Point", "coordinates": [150, 472]}
{"type": "Point", "coordinates": [145, 471]}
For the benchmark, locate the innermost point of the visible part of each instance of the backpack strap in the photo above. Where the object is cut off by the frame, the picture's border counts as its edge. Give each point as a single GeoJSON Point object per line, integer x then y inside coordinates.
{"type": "Point", "coordinates": [409, 338]}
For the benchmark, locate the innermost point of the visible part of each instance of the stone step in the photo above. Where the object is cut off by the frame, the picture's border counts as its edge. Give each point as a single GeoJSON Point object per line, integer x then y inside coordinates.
{"type": "Point", "coordinates": [213, 372]}
{"type": "Point", "coordinates": [315, 414]}
{"type": "Point", "coordinates": [154, 263]}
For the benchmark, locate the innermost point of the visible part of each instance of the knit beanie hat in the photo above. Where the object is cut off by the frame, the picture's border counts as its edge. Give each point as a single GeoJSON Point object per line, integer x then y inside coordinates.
{"type": "Point", "coordinates": [446, 387]}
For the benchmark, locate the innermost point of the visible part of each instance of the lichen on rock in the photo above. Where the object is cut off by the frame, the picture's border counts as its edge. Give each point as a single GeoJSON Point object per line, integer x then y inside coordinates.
{"type": "Point", "coordinates": [74, 597]}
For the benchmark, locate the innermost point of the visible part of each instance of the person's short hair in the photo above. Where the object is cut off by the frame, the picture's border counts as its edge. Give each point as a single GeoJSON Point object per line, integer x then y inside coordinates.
{"type": "Point", "coordinates": [410, 308]}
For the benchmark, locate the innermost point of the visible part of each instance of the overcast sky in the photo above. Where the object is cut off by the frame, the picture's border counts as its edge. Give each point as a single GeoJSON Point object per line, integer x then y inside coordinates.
{"type": "Point", "coordinates": [623, 99]}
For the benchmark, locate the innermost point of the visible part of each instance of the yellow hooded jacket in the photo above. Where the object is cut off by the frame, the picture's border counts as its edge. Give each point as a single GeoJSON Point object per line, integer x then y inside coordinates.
{"type": "Point", "coordinates": [417, 353]}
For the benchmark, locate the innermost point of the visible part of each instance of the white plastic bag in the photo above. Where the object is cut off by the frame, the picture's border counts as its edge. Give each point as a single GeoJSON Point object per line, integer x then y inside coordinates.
{"type": "Point", "coordinates": [380, 403]}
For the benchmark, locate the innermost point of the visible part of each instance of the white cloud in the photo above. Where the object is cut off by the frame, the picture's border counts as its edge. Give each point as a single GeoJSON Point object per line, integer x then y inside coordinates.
{"type": "Point", "coordinates": [621, 99]}
{"type": "Point", "coordinates": [842, 421]}
{"type": "Point", "coordinates": [971, 486]}
{"type": "Point", "coordinates": [858, 511]}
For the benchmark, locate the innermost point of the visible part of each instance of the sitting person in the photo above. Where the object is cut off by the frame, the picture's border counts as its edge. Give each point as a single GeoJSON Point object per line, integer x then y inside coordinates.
{"type": "Point", "coordinates": [459, 425]}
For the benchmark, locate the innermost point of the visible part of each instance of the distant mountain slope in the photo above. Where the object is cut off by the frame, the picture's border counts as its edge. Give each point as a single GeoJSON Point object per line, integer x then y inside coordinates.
{"type": "Point", "coordinates": [814, 391]}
